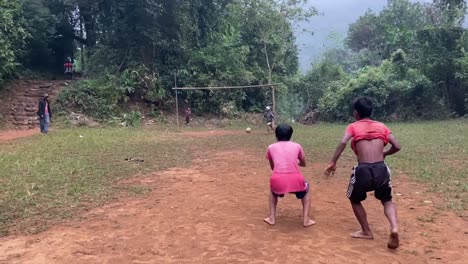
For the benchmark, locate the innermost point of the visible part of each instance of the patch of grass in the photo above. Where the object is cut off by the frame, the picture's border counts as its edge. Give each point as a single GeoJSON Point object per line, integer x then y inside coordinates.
{"type": "Point", "coordinates": [47, 178]}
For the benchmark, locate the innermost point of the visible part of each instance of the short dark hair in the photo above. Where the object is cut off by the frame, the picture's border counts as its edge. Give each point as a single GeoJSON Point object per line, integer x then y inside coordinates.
{"type": "Point", "coordinates": [363, 106]}
{"type": "Point", "coordinates": [283, 132]}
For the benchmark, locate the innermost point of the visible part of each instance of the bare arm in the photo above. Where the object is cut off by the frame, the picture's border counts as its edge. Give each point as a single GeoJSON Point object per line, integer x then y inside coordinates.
{"type": "Point", "coordinates": [302, 162]}
{"type": "Point", "coordinates": [394, 148]}
{"type": "Point", "coordinates": [272, 164]}
{"type": "Point", "coordinates": [339, 150]}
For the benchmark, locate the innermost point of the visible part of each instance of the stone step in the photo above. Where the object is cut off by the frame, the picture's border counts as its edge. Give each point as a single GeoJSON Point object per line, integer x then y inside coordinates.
{"type": "Point", "coordinates": [21, 123]}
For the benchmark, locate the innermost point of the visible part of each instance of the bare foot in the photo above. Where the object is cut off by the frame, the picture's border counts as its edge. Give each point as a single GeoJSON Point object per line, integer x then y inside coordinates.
{"type": "Point", "coordinates": [269, 221]}
{"type": "Point", "coordinates": [360, 234]}
{"type": "Point", "coordinates": [393, 241]}
{"type": "Point", "coordinates": [309, 222]}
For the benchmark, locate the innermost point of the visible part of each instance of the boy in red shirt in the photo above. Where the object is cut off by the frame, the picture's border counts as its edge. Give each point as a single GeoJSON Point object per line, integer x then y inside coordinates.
{"type": "Point", "coordinates": [369, 139]}
{"type": "Point", "coordinates": [285, 157]}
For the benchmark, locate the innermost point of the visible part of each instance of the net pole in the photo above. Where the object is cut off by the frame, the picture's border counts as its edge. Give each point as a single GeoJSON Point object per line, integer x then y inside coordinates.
{"type": "Point", "coordinates": [176, 101]}
{"type": "Point", "coordinates": [177, 109]}
{"type": "Point", "coordinates": [273, 98]}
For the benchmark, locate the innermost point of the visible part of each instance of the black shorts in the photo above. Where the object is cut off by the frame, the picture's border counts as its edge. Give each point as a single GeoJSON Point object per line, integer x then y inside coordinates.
{"type": "Point", "coordinates": [299, 195]}
{"type": "Point", "coordinates": [369, 177]}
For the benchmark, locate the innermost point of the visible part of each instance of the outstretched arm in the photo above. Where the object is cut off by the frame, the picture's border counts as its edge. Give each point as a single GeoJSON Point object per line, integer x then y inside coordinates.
{"type": "Point", "coordinates": [339, 150]}
{"type": "Point", "coordinates": [394, 148]}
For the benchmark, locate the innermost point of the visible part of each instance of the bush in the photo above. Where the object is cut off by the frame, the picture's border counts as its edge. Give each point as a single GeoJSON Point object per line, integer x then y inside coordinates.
{"type": "Point", "coordinates": [100, 97]}
{"type": "Point", "coordinates": [95, 98]}
{"type": "Point", "coordinates": [132, 119]}
{"type": "Point", "coordinates": [399, 93]}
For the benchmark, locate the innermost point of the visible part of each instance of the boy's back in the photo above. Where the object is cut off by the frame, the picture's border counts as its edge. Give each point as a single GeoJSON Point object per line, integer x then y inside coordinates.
{"type": "Point", "coordinates": [369, 139]}
{"type": "Point", "coordinates": [285, 155]}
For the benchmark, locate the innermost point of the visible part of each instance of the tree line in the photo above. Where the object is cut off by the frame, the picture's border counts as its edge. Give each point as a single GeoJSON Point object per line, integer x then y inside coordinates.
{"type": "Point", "coordinates": [410, 57]}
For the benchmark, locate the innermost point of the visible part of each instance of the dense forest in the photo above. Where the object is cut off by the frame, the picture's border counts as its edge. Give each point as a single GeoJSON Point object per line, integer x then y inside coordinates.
{"type": "Point", "coordinates": [411, 57]}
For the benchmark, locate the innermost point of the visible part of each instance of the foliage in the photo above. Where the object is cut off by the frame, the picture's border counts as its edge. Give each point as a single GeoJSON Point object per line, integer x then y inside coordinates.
{"type": "Point", "coordinates": [130, 50]}
{"type": "Point", "coordinates": [101, 97]}
{"type": "Point", "coordinates": [40, 26]}
{"type": "Point", "coordinates": [132, 119]}
{"type": "Point", "coordinates": [393, 28]}
{"type": "Point", "coordinates": [97, 98]}
{"type": "Point", "coordinates": [12, 35]}
{"type": "Point", "coordinates": [399, 92]}
{"type": "Point", "coordinates": [409, 57]}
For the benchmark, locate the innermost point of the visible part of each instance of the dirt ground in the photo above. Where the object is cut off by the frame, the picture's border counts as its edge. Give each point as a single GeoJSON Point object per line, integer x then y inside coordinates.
{"type": "Point", "coordinates": [9, 135]}
{"type": "Point", "coordinates": [212, 213]}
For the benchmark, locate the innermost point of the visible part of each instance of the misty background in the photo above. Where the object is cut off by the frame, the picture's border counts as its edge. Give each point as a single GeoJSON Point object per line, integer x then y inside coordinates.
{"type": "Point", "coordinates": [331, 25]}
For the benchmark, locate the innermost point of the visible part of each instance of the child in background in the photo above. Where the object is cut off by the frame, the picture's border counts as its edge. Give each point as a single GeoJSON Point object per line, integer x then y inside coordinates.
{"type": "Point", "coordinates": [188, 115]}
{"type": "Point", "coordinates": [285, 157]}
{"type": "Point", "coordinates": [270, 118]}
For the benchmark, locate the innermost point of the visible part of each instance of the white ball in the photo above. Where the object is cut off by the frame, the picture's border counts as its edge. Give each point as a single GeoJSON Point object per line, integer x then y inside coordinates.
{"type": "Point", "coordinates": [248, 130]}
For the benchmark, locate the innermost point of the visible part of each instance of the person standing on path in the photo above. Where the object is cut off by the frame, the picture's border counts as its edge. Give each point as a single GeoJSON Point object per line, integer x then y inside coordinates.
{"type": "Point", "coordinates": [44, 113]}
{"type": "Point", "coordinates": [369, 139]}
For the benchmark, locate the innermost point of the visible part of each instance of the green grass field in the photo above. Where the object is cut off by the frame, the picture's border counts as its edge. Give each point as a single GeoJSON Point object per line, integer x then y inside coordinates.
{"type": "Point", "coordinates": [44, 179]}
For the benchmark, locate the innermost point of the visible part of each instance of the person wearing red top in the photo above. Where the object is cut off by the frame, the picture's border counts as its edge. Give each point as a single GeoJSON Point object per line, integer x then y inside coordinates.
{"type": "Point", "coordinates": [285, 157]}
{"type": "Point", "coordinates": [68, 65]}
{"type": "Point", "coordinates": [369, 139]}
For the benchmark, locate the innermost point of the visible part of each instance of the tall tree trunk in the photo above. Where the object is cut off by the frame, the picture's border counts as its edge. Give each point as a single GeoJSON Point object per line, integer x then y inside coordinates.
{"type": "Point", "coordinates": [82, 46]}
{"type": "Point", "coordinates": [89, 21]}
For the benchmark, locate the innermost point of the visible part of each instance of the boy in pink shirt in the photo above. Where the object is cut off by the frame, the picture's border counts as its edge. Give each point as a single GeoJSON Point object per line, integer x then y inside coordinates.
{"type": "Point", "coordinates": [285, 158]}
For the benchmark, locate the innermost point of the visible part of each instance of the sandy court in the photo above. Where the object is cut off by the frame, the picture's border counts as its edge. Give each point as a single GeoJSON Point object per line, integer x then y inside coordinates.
{"type": "Point", "coordinates": [212, 213]}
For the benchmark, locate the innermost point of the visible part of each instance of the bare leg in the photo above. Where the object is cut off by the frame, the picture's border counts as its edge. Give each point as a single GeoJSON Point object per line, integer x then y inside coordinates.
{"type": "Point", "coordinates": [391, 214]}
{"type": "Point", "coordinates": [305, 208]}
{"type": "Point", "coordinates": [361, 216]}
{"type": "Point", "coordinates": [271, 220]}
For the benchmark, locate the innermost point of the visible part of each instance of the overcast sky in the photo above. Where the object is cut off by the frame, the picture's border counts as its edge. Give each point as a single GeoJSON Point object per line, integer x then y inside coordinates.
{"type": "Point", "coordinates": [336, 17]}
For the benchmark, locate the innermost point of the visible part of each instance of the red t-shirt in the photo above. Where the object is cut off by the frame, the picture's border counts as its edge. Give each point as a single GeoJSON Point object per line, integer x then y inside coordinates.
{"type": "Point", "coordinates": [367, 129]}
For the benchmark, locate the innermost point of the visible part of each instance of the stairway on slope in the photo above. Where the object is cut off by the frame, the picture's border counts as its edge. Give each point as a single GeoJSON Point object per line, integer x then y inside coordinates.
{"type": "Point", "coordinates": [22, 102]}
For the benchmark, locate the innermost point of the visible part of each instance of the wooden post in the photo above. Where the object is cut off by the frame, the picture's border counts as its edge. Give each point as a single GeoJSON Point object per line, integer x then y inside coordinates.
{"type": "Point", "coordinates": [177, 109]}
{"type": "Point", "coordinates": [273, 98]}
{"type": "Point", "coordinates": [176, 101]}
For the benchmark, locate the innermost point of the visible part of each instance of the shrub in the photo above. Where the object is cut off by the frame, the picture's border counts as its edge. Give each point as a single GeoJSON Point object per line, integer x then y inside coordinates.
{"type": "Point", "coordinates": [132, 119]}
{"type": "Point", "coordinates": [96, 98]}
{"type": "Point", "coordinates": [399, 93]}
{"type": "Point", "coordinates": [100, 97]}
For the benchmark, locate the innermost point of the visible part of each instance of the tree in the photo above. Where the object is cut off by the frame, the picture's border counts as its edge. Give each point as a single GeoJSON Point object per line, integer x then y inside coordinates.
{"type": "Point", "coordinates": [400, 92]}
{"type": "Point", "coordinates": [12, 36]}
{"type": "Point", "coordinates": [393, 28]}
